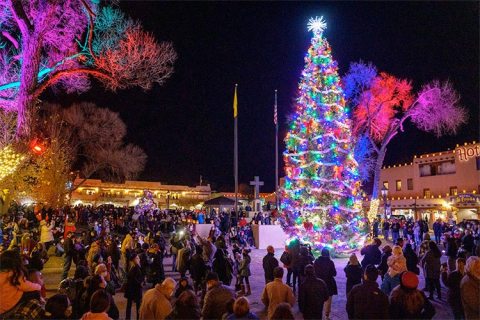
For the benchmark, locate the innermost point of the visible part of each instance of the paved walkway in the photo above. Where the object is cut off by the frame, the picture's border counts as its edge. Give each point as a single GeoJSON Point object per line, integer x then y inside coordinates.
{"type": "Point", "coordinates": [52, 274]}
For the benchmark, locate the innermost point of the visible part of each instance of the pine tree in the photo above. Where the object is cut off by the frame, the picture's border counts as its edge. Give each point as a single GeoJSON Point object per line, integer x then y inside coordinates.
{"type": "Point", "coordinates": [319, 205]}
{"type": "Point", "coordinates": [146, 204]}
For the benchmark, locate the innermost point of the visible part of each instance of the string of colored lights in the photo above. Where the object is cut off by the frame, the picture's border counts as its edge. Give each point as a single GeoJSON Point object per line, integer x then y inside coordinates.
{"type": "Point", "coordinates": [321, 197]}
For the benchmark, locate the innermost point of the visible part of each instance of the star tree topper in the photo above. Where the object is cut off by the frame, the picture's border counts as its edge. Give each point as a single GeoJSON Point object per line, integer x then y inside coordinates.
{"type": "Point", "coordinates": [317, 25]}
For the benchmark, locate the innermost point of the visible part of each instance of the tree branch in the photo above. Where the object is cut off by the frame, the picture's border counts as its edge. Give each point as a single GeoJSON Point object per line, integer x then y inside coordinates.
{"type": "Point", "coordinates": [91, 15]}
{"type": "Point", "coordinates": [21, 17]}
{"type": "Point", "coordinates": [62, 73]}
{"type": "Point", "coordinates": [7, 35]}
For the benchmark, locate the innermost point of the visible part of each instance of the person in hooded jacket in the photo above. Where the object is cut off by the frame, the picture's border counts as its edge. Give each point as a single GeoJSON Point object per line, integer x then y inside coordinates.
{"type": "Point", "coordinates": [313, 293]}
{"type": "Point", "coordinates": [325, 270]}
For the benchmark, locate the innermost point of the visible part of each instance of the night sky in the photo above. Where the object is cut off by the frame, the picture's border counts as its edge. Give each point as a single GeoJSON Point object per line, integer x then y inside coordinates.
{"type": "Point", "coordinates": [186, 126]}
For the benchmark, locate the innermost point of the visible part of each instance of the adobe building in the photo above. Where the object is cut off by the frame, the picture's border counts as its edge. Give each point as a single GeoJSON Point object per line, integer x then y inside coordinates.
{"type": "Point", "coordinates": [442, 185]}
{"type": "Point", "coordinates": [96, 192]}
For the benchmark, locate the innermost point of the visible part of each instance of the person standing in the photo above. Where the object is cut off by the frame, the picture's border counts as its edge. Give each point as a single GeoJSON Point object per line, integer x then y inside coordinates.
{"type": "Point", "coordinates": [353, 272]}
{"type": "Point", "coordinates": [451, 251]}
{"type": "Point", "coordinates": [133, 290]}
{"type": "Point", "coordinates": [412, 259]}
{"type": "Point", "coordinates": [286, 259]}
{"type": "Point", "coordinates": [452, 282]}
{"type": "Point", "coordinates": [431, 263]}
{"type": "Point", "coordinates": [385, 229]}
{"type": "Point", "coordinates": [371, 253]}
{"type": "Point", "coordinates": [68, 255]}
{"type": "Point", "coordinates": [269, 264]}
{"type": "Point", "coordinates": [276, 292]}
{"type": "Point", "coordinates": [375, 228]}
{"type": "Point", "coordinates": [156, 303]}
{"type": "Point", "coordinates": [437, 230]}
{"type": "Point", "coordinates": [396, 265]}
{"type": "Point", "coordinates": [325, 270]}
{"type": "Point", "coordinates": [244, 271]}
{"type": "Point", "coordinates": [363, 296]}
{"type": "Point", "coordinates": [46, 234]}
{"type": "Point", "coordinates": [407, 302]}
{"type": "Point", "coordinates": [313, 293]}
{"type": "Point", "coordinates": [470, 288]}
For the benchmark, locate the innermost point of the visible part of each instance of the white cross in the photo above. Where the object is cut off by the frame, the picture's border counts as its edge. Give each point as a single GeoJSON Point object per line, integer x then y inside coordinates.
{"type": "Point", "coordinates": [257, 183]}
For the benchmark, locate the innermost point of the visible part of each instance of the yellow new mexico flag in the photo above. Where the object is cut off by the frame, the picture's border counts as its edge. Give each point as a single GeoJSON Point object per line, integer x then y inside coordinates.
{"type": "Point", "coordinates": [235, 103]}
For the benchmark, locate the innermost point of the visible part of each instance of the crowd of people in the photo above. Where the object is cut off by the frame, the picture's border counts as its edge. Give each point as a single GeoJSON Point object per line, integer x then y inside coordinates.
{"type": "Point", "coordinates": [118, 252]}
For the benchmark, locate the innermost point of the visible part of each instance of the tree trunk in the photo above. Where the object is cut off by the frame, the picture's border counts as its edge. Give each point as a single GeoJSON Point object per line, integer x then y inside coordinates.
{"type": "Point", "coordinates": [31, 54]}
{"type": "Point", "coordinates": [377, 172]}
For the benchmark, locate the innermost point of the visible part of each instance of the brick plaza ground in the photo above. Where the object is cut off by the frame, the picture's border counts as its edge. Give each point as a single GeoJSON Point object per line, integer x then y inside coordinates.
{"type": "Point", "coordinates": [53, 269]}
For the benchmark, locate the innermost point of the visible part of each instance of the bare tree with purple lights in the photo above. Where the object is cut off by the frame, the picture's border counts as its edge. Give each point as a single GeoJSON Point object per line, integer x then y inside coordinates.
{"type": "Point", "coordinates": [45, 43]}
{"type": "Point", "coordinates": [382, 103]}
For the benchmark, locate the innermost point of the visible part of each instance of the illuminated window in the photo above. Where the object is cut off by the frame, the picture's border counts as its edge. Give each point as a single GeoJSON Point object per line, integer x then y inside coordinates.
{"type": "Point", "coordinates": [453, 191]}
{"type": "Point", "coordinates": [398, 185]}
{"type": "Point", "coordinates": [427, 193]}
{"type": "Point", "coordinates": [410, 184]}
{"type": "Point", "coordinates": [385, 184]}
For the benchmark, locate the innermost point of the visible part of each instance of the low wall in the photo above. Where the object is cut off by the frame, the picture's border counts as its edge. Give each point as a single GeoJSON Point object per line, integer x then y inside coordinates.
{"type": "Point", "coordinates": [269, 235]}
{"type": "Point", "coordinates": [203, 230]}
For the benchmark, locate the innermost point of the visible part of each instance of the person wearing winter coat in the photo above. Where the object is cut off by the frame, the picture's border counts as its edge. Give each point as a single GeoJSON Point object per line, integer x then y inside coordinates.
{"type": "Point", "coordinates": [156, 302]}
{"type": "Point", "coordinates": [470, 289]}
{"type": "Point", "coordinates": [303, 260]}
{"type": "Point", "coordinates": [371, 253]}
{"type": "Point", "coordinates": [365, 295]}
{"type": "Point", "coordinates": [313, 293]}
{"type": "Point", "coordinates": [286, 259]}
{"type": "Point", "coordinates": [431, 265]}
{"type": "Point", "coordinates": [216, 298]}
{"type": "Point", "coordinates": [276, 292]}
{"type": "Point", "coordinates": [383, 266]}
{"type": "Point", "coordinates": [133, 290]}
{"type": "Point", "coordinates": [222, 266]}
{"type": "Point", "coordinates": [198, 268]}
{"type": "Point", "coordinates": [407, 302]}
{"type": "Point", "coordinates": [325, 270]}
{"type": "Point", "coordinates": [452, 282]}
{"type": "Point", "coordinates": [353, 272]}
{"type": "Point", "coordinates": [183, 259]}
{"type": "Point", "coordinates": [186, 307]}
{"type": "Point", "coordinates": [269, 263]}
{"type": "Point", "coordinates": [241, 310]}
{"type": "Point", "coordinates": [244, 272]}
{"type": "Point", "coordinates": [412, 259]}
{"type": "Point", "coordinates": [451, 252]}
{"type": "Point", "coordinates": [46, 234]}
{"type": "Point", "coordinates": [396, 265]}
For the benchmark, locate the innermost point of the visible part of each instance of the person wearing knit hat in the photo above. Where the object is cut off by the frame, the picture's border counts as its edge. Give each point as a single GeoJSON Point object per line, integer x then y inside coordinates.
{"type": "Point", "coordinates": [407, 302]}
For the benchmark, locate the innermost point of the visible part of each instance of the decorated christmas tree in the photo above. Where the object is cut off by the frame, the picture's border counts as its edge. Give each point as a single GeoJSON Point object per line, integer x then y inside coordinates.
{"type": "Point", "coordinates": [320, 203]}
{"type": "Point", "coordinates": [145, 203]}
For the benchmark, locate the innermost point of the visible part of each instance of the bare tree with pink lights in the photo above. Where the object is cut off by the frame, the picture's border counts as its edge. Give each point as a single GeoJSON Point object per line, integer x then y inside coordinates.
{"type": "Point", "coordinates": [382, 103]}
{"type": "Point", "coordinates": [62, 44]}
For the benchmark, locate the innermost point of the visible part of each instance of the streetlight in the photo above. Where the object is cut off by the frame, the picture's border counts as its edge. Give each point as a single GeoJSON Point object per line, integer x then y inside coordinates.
{"type": "Point", "coordinates": [384, 195]}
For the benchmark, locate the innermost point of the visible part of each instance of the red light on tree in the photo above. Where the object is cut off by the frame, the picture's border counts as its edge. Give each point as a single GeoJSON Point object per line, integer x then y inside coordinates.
{"type": "Point", "coordinates": [37, 146]}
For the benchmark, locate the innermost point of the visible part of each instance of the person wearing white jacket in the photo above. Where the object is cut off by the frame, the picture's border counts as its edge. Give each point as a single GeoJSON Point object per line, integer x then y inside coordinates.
{"type": "Point", "coordinates": [46, 234]}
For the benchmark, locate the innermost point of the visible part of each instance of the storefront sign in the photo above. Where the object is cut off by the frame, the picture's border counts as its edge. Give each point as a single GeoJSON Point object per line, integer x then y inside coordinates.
{"type": "Point", "coordinates": [466, 200]}
{"type": "Point", "coordinates": [467, 152]}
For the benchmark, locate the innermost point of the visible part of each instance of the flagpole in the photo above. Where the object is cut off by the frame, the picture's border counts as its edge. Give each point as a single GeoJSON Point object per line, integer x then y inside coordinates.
{"type": "Point", "coordinates": [235, 149]}
{"type": "Point", "coordinates": [277, 202]}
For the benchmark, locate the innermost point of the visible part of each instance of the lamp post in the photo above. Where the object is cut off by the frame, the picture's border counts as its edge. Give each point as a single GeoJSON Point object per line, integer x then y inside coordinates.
{"type": "Point", "coordinates": [384, 195]}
